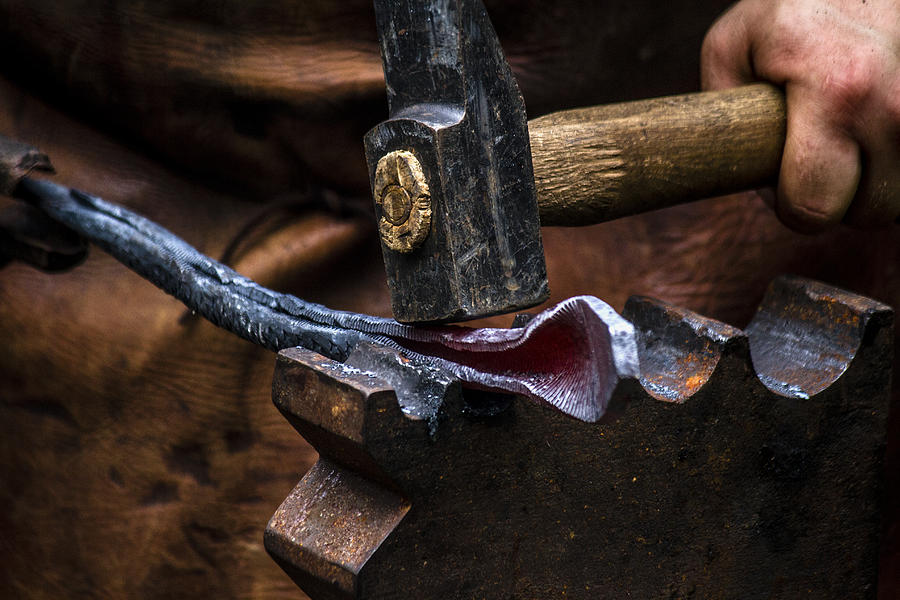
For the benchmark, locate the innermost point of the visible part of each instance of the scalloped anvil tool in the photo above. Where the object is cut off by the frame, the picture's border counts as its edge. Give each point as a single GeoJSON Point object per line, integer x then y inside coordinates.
{"type": "Point", "coordinates": [723, 472]}
{"type": "Point", "coordinates": [461, 192]}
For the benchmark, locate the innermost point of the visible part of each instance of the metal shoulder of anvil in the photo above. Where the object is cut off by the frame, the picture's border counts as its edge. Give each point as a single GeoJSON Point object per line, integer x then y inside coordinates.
{"type": "Point", "coordinates": [740, 464]}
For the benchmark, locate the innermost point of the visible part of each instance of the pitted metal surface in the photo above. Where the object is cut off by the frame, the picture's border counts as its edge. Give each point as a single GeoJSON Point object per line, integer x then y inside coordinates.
{"type": "Point", "coordinates": [700, 481]}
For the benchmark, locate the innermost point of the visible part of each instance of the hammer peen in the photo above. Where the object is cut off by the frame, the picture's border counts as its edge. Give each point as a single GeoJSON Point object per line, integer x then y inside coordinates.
{"type": "Point", "coordinates": [462, 181]}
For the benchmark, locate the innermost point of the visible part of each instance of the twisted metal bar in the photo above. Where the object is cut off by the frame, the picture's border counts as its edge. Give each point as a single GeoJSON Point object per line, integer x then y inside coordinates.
{"type": "Point", "coordinates": [571, 355]}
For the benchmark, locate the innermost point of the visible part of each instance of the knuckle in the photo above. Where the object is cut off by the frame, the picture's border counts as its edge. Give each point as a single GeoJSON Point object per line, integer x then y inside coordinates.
{"type": "Point", "coordinates": [852, 83]}
{"type": "Point", "coordinates": [784, 28]}
{"type": "Point", "coordinates": [716, 44]}
{"type": "Point", "coordinates": [782, 46]}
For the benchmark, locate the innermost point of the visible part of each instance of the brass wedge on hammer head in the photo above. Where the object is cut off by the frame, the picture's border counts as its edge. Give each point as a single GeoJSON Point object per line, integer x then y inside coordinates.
{"type": "Point", "coordinates": [451, 168]}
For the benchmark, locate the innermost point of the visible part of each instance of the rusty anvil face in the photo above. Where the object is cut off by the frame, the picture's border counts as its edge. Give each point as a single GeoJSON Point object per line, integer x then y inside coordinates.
{"type": "Point", "coordinates": [451, 169]}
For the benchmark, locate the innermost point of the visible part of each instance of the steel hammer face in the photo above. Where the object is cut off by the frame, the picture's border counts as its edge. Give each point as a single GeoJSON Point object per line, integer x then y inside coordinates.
{"type": "Point", "coordinates": [451, 168]}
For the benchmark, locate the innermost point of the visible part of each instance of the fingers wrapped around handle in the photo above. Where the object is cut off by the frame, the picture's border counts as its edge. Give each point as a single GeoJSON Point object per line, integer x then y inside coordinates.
{"type": "Point", "coordinates": [839, 64]}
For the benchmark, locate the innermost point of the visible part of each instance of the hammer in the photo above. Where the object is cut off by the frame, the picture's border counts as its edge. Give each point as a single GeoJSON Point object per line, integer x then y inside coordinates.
{"type": "Point", "coordinates": [462, 181]}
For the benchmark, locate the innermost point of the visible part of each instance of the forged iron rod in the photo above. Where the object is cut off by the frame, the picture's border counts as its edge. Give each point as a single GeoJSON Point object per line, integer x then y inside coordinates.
{"type": "Point", "coordinates": [571, 355]}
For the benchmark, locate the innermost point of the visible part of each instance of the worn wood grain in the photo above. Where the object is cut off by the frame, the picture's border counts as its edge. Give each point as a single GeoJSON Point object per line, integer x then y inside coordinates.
{"type": "Point", "coordinates": [600, 163]}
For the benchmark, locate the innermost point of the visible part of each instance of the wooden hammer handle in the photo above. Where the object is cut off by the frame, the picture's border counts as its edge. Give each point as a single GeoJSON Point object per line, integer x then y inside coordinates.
{"type": "Point", "coordinates": [600, 163]}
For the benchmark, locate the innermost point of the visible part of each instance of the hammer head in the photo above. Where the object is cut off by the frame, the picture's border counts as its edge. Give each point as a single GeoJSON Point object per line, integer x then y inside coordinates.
{"type": "Point", "coordinates": [451, 168]}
